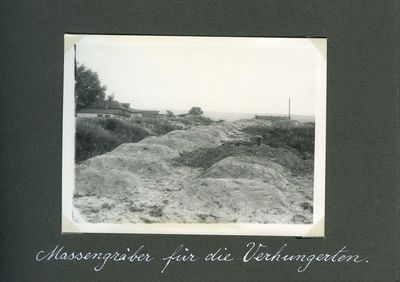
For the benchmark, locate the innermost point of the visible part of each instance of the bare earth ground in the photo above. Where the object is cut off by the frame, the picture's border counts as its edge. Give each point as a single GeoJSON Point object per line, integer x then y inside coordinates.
{"type": "Point", "coordinates": [142, 182]}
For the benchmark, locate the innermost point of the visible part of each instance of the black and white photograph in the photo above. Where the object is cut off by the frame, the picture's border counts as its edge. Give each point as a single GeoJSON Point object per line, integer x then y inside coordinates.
{"type": "Point", "coordinates": [200, 141]}
{"type": "Point", "coordinates": [194, 135]}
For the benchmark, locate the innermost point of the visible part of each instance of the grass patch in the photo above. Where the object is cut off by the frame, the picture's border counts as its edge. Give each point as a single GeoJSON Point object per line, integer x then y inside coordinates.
{"type": "Point", "coordinates": [299, 138]}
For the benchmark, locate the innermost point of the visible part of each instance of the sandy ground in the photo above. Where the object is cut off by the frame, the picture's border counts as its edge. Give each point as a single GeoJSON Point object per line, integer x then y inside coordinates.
{"type": "Point", "coordinates": [138, 183]}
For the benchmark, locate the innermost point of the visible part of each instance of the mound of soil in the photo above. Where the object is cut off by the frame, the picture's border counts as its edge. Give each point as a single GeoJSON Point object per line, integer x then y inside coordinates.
{"type": "Point", "coordinates": [237, 200]}
{"type": "Point", "coordinates": [92, 181]}
{"type": "Point", "coordinates": [174, 143]}
{"type": "Point", "coordinates": [291, 160]}
{"type": "Point", "coordinates": [247, 167]}
{"type": "Point", "coordinates": [218, 132]}
{"type": "Point", "coordinates": [143, 166]}
{"type": "Point", "coordinates": [200, 139]}
{"type": "Point", "coordinates": [240, 124]}
{"type": "Point", "coordinates": [145, 149]}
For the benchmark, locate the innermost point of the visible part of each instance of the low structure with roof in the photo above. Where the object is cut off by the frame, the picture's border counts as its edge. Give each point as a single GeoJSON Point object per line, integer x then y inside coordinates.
{"type": "Point", "coordinates": [108, 109]}
{"type": "Point", "coordinates": [113, 109]}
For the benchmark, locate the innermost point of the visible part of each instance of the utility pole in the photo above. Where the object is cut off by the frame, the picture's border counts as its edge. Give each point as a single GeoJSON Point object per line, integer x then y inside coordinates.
{"type": "Point", "coordinates": [75, 62]}
{"type": "Point", "coordinates": [75, 78]}
{"type": "Point", "coordinates": [289, 108]}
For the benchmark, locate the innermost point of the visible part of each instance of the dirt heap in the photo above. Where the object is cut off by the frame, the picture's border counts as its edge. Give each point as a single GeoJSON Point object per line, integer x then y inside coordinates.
{"type": "Point", "coordinates": [247, 167]}
{"type": "Point", "coordinates": [239, 200]}
{"type": "Point", "coordinates": [146, 149]}
{"type": "Point", "coordinates": [243, 123]}
{"type": "Point", "coordinates": [174, 143]}
{"type": "Point", "coordinates": [138, 165]}
{"type": "Point", "coordinates": [91, 181]}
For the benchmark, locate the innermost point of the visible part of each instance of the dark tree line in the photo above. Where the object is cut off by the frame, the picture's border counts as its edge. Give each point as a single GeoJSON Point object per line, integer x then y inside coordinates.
{"type": "Point", "coordinates": [88, 88]}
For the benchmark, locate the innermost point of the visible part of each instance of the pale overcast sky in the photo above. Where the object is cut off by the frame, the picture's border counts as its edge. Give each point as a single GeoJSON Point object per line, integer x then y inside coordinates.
{"type": "Point", "coordinates": [246, 75]}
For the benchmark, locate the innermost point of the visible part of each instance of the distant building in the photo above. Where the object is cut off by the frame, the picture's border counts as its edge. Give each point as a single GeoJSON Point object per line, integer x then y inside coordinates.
{"type": "Point", "coordinates": [109, 109]}
{"type": "Point", "coordinates": [114, 109]}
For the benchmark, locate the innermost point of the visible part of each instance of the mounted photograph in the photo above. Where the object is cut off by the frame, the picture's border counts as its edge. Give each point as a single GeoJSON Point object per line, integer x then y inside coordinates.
{"type": "Point", "coordinates": [194, 135]}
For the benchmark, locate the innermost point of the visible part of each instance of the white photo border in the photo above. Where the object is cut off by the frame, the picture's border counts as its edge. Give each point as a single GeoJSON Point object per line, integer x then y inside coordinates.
{"type": "Point", "coordinates": [316, 229]}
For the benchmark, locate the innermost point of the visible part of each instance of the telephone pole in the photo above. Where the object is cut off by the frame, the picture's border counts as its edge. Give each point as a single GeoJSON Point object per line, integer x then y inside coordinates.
{"type": "Point", "coordinates": [75, 62]}
{"type": "Point", "coordinates": [289, 108]}
{"type": "Point", "coordinates": [75, 75]}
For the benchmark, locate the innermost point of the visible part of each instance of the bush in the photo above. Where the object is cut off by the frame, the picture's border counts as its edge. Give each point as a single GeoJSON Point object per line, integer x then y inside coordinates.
{"type": "Point", "coordinates": [98, 136]}
{"type": "Point", "coordinates": [92, 140]}
{"type": "Point", "coordinates": [125, 130]}
{"type": "Point", "coordinates": [196, 111]}
{"type": "Point", "coordinates": [159, 126]}
{"type": "Point", "coordinates": [204, 120]}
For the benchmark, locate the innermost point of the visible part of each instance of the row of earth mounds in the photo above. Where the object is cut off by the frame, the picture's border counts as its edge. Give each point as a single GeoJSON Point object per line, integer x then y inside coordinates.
{"type": "Point", "coordinates": [117, 172]}
{"type": "Point", "coordinates": [212, 173]}
{"type": "Point", "coordinates": [198, 147]}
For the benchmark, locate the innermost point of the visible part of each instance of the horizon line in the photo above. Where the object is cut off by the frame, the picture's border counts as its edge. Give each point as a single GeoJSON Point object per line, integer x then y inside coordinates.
{"type": "Point", "coordinates": [219, 111]}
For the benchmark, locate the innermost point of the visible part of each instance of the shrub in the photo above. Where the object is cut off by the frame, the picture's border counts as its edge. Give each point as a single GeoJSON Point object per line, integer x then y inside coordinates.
{"type": "Point", "coordinates": [159, 126]}
{"type": "Point", "coordinates": [196, 111]}
{"type": "Point", "coordinates": [98, 136]}
{"type": "Point", "coordinates": [92, 140]}
{"type": "Point", "coordinates": [204, 120]}
{"type": "Point", "coordinates": [125, 130]}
